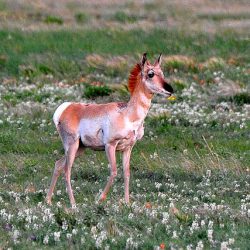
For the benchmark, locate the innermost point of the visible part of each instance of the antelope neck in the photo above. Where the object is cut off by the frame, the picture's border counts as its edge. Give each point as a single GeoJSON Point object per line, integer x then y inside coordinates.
{"type": "Point", "coordinates": [139, 103]}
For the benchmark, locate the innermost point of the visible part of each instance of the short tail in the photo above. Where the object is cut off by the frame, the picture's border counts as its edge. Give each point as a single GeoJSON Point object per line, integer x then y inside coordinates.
{"type": "Point", "coordinates": [59, 111]}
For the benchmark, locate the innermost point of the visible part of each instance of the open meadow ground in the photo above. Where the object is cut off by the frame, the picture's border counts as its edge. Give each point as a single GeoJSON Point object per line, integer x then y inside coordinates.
{"type": "Point", "coordinates": [190, 175]}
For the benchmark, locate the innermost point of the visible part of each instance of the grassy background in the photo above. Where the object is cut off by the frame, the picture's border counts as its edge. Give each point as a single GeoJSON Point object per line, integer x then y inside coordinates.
{"type": "Point", "coordinates": [35, 48]}
{"type": "Point", "coordinates": [189, 174]}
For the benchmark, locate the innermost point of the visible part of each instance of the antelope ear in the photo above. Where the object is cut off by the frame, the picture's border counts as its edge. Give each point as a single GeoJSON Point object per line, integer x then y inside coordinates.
{"type": "Point", "coordinates": [143, 60]}
{"type": "Point", "coordinates": [158, 61]}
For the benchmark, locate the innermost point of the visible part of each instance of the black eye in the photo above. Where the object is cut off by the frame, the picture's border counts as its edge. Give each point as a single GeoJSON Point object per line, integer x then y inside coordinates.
{"type": "Point", "coordinates": [151, 74]}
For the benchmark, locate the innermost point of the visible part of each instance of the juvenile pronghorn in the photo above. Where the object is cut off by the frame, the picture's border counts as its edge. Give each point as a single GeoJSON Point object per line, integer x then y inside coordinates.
{"type": "Point", "coordinates": [111, 127]}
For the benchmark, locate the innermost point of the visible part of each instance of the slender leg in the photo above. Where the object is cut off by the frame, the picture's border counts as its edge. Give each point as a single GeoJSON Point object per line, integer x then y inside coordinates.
{"type": "Point", "coordinates": [110, 151]}
{"type": "Point", "coordinates": [126, 164]}
{"type": "Point", "coordinates": [60, 164]}
{"type": "Point", "coordinates": [70, 157]}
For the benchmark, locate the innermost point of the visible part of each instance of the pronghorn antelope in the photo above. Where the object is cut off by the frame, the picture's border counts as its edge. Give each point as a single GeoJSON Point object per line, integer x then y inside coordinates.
{"type": "Point", "coordinates": [111, 127]}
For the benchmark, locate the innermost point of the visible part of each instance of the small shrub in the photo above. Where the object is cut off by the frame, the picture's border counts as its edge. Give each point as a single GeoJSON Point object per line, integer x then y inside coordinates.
{"type": "Point", "coordinates": [122, 17]}
{"type": "Point", "coordinates": [53, 19]}
{"type": "Point", "coordinates": [45, 69]}
{"type": "Point", "coordinates": [28, 71]}
{"type": "Point", "coordinates": [95, 91]}
{"type": "Point", "coordinates": [3, 61]}
{"type": "Point", "coordinates": [179, 85]}
{"type": "Point", "coordinates": [61, 216]}
{"type": "Point", "coordinates": [239, 99]}
{"type": "Point", "coordinates": [81, 17]}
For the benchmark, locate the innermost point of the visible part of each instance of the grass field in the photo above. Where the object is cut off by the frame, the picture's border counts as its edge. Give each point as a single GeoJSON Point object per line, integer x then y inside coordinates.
{"type": "Point", "coordinates": [190, 177]}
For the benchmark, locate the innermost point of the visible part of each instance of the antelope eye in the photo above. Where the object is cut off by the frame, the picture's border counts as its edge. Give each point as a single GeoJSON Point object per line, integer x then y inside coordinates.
{"type": "Point", "coordinates": [151, 74]}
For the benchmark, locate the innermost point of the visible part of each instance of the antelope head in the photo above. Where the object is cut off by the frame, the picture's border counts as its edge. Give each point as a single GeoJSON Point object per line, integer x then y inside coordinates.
{"type": "Point", "coordinates": [153, 77]}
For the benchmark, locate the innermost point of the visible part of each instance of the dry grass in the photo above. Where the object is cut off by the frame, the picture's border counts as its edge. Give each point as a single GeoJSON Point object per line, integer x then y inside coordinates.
{"type": "Point", "coordinates": [194, 15]}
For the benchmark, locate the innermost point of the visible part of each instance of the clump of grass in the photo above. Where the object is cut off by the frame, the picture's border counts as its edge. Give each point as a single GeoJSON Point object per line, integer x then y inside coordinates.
{"type": "Point", "coordinates": [123, 17]}
{"type": "Point", "coordinates": [117, 65]}
{"type": "Point", "coordinates": [112, 65]}
{"type": "Point", "coordinates": [30, 72]}
{"type": "Point", "coordinates": [95, 61]}
{"type": "Point", "coordinates": [95, 91]}
{"type": "Point", "coordinates": [27, 71]}
{"type": "Point", "coordinates": [81, 17]}
{"type": "Point", "coordinates": [58, 66]}
{"type": "Point", "coordinates": [179, 62]}
{"type": "Point", "coordinates": [61, 217]}
{"type": "Point", "coordinates": [53, 20]}
{"type": "Point", "coordinates": [3, 61]}
{"type": "Point", "coordinates": [239, 98]}
{"type": "Point", "coordinates": [178, 85]}
{"type": "Point", "coordinates": [45, 69]}
{"type": "Point", "coordinates": [224, 16]}
{"type": "Point", "coordinates": [214, 63]}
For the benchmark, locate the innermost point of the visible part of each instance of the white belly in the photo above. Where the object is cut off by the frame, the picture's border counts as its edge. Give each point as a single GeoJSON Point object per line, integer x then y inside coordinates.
{"type": "Point", "coordinates": [97, 132]}
{"type": "Point", "coordinates": [91, 132]}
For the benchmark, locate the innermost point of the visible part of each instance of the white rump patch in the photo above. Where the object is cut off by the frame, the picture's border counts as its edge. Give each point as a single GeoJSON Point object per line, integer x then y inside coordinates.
{"type": "Point", "coordinates": [59, 112]}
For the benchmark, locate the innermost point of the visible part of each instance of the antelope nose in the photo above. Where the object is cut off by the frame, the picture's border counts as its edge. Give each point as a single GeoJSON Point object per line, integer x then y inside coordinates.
{"type": "Point", "coordinates": [168, 88]}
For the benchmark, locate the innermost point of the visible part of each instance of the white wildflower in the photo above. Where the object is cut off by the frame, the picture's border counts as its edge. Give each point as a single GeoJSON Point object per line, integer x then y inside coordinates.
{"type": "Point", "coordinates": [158, 185]}
{"type": "Point", "coordinates": [46, 240]}
{"type": "Point", "coordinates": [224, 245]}
{"type": "Point", "coordinates": [130, 216]}
{"type": "Point", "coordinates": [57, 236]}
{"type": "Point", "coordinates": [100, 239]}
{"type": "Point", "coordinates": [74, 231]}
{"type": "Point", "coordinates": [64, 225]}
{"type": "Point", "coordinates": [200, 245]}
{"type": "Point", "coordinates": [69, 236]}
{"type": "Point", "coordinates": [175, 236]}
{"type": "Point", "coordinates": [210, 235]}
{"type": "Point", "coordinates": [16, 234]}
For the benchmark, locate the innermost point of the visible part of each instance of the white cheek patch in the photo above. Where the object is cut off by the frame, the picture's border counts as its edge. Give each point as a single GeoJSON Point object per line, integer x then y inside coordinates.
{"type": "Point", "coordinates": [150, 86]}
{"type": "Point", "coordinates": [153, 87]}
{"type": "Point", "coordinates": [59, 111]}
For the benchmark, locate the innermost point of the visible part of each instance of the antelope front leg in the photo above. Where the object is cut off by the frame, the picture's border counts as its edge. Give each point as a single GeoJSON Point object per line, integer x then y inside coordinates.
{"type": "Point", "coordinates": [126, 164]}
{"type": "Point", "coordinates": [110, 151]}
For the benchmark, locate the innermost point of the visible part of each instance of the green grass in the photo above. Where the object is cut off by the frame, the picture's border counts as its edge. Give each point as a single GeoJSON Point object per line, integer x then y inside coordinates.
{"type": "Point", "coordinates": [27, 48]}
{"type": "Point", "coordinates": [122, 17]}
{"type": "Point", "coordinates": [95, 91]}
{"type": "Point", "coordinates": [189, 174]}
{"type": "Point", "coordinates": [53, 20]}
{"type": "Point", "coordinates": [27, 160]}
{"type": "Point", "coordinates": [81, 17]}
